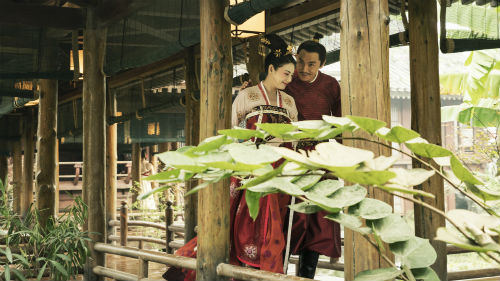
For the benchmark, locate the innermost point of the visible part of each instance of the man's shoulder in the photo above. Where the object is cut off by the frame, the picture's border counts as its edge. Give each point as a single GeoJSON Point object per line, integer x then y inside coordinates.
{"type": "Point", "coordinates": [327, 78]}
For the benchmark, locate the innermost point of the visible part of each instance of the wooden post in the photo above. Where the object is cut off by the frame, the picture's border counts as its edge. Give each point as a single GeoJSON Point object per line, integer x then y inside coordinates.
{"type": "Point", "coordinates": [215, 114]}
{"type": "Point", "coordinates": [192, 138]}
{"type": "Point", "coordinates": [143, 267]}
{"type": "Point", "coordinates": [426, 114]}
{"type": "Point", "coordinates": [169, 219]}
{"type": "Point", "coordinates": [29, 155]}
{"type": "Point", "coordinates": [47, 135]}
{"type": "Point", "coordinates": [365, 57]}
{"type": "Point", "coordinates": [123, 224]}
{"type": "Point", "coordinates": [111, 162]}
{"type": "Point", "coordinates": [4, 175]}
{"type": "Point", "coordinates": [57, 178]}
{"type": "Point", "coordinates": [255, 64]}
{"type": "Point", "coordinates": [136, 173]}
{"type": "Point", "coordinates": [17, 175]}
{"type": "Point", "coordinates": [94, 137]}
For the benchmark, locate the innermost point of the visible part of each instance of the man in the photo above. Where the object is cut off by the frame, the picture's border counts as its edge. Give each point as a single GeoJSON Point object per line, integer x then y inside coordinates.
{"type": "Point", "coordinates": [316, 94]}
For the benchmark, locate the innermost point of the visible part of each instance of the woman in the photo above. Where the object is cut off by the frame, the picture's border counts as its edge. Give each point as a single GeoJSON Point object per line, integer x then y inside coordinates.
{"type": "Point", "coordinates": [258, 243]}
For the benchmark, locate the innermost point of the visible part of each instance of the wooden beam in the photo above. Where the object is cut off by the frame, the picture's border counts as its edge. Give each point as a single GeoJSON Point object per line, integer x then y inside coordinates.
{"type": "Point", "coordinates": [10, 92]}
{"type": "Point", "coordinates": [300, 13]}
{"type": "Point", "coordinates": [47, 135]}
{"type": "Point", "coordinates": [215, 113]}
{"type": "Point", "coordinates": [29, 155]}
{"type": "Point", "coordinates": [192, 134]}
{"type": "Point", "coordinates": [110, 11]}
{"type": "Point", "coordinates": [41, 15]}
{"type": "Point", "coordinates": [94, 138]}
{"type": "Point", "coordinates": [426, 115]}
{"type": "Point", "coordinates": [365, 57]}
{"type": "Point", "coordinates": [111, 161]}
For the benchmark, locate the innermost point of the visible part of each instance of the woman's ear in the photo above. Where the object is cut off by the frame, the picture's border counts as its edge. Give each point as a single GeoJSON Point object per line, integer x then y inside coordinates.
{"type": "Point", "coordinates": [270, 68]}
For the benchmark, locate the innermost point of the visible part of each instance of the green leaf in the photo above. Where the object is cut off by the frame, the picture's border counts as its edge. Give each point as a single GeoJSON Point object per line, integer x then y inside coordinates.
{"type": "Point", "coordinates": [483, 192]}
{"type": "Point", "coordinates": [329, 133]}
{"type": "Point", "coordinates": [8, 254]}
{"type": "Point", "coordinates": [380, 274]}
{"type": "Point", "coordinates": [181, 161]}
{"type": "Point", "coordinates": [348, 195]}
{"type": "Point", "coordinates": [428, 150]}
{"type": "Point", "coordinates": [311, 125]}
{"type": "Point", "coordinates": [338, 121]}
{"type": "Point", "coordinates": [409, 177]}
{"type": "Point", "coordinates": [60, 268]}
{"type": "Point", "coordinates": [211, 143]}
{"type": "Point", "coordinates": [333, 154]}
{"type": "Point", "coordinates": [274, 184]}
{"type": "Point", "coordinates": [350, 221]}
{"type": "Point", "coordinates": [6, 272]}
{"type": "Point", "coordinates": [263, 178]}
{"type": "Point", "coordinates": [397, 134]}
{"type": "Point", "coordinates": [305, 208]}
{"type": "Point", "coordinates": [325, 188]}
{"type": "Point", "coordinates": [242, 134]}
{"type": "Point", "coordinates": [445, 235]}
{"type": "Point", "coordinates": [18, 274]}
{"type": "Point", "coordinates": [465, 217]}
{"type": "Point", "coordinates": [252, 199]}
{"type": "Point", "coordinates": [461, 172]}
{"type": "Point", "coordinates": [368, 124]}
{"type": "Point", "coordinates": [371, 209]}
{"type": "Point", "coordinates": [296, 157]}
{"type": "Point", "coordinates": [206, 183]}
{"type": "Point", "coordinates": [41, 272]}
{"type": "Point", "coordinates": [425, 274]}
{"type": "Point", "coordinates": [381, 163]}
{"type": "Point", "coordinates": [64, 257]}
{"type": "Point", "coordinates": [405, 190]}
{"type": "Point", "coordinates": [223, 160]}
{"type": "Point", "coordinates": [307, 181]}
{"type": "Point", "coordinates": [392, 229]}
{"type": "Point", "coordinates": [251, 155]}
{"type": "Point", "coordinates": [22, 259]}
{"type": "Point", "coordinates": [368, 178]}
{"type": "Point", "coordinates": [277, 130]}
{"type": "Point", "coordinates": [415, 252]}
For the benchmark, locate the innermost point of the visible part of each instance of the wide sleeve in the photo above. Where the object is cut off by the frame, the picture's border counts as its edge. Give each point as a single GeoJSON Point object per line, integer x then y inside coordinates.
{"type": "Point", "coordinates": [238, 110]}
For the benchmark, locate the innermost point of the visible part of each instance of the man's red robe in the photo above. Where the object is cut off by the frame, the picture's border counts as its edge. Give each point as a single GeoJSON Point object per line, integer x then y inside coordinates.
{"type": "Point", "coordinates": [313, 100]}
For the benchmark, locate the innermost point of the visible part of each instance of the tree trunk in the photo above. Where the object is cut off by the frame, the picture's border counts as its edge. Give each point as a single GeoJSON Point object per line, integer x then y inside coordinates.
{"type": "Point", "coordinates": [426, 115]}
{"type": "Point", "coordinates": [365, 57]}
{"type": "Point", "coordinates": [94, 137]}
{"type": "Point", "coordinates": [215, 114]}
{"type": "Point", "coordinates": [111, 161]}
{"type": "Point", "coordinates": [47, 136]}
{"type": "Point", "coordinates": [29, 155]}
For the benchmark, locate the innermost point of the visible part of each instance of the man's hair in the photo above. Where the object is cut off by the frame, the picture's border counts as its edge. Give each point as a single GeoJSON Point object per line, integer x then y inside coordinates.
{"type": "Point", "coordinates": [314, 47]}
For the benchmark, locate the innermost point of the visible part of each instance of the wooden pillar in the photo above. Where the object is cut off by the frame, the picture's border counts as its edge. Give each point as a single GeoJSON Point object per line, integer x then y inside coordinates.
{"type": "Point", "coordinates": [47, 135]}
{"type": "Point", "coordinates": [29, 155]}
{"type": "Point", "coordinates": [426, 114]}
{"type": "Point", "coordinates": [255, 64]}
{"type": "Point", "coordinates": [191, 131]}
{"type": "Point", "coordinates": [365, 57]}
{"type": "Point", "coordinates": [57, 177]}
{"type": "Point", "coordinates": [136, 172]}
{"type": "Point", "coordinates": [94, 137]}
{"type": "Point", "coordinates": [4, 174]}
{"type": "Point", "coordinates": [111, 164]}
{"type": "Point", "coordinates": [215, 114]}
{"type": "Point", "coordinates": [17, 176]}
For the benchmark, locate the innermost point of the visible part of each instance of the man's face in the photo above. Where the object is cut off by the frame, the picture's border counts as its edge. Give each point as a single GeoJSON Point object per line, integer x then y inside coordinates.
{"type": "Point", "coordinates": [308, 65]}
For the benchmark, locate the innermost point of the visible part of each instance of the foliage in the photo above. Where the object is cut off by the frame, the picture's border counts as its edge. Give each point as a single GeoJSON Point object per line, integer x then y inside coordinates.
{"type": "Point", "coordinates": [299, 176]}
{"type": "Point", "coordinates": [59, 249]}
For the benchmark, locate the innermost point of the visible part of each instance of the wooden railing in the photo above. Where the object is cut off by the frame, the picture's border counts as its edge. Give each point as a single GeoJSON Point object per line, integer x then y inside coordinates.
{"type": "Point", "coordinates": [78, 170]}
{"type": "Point", "coordinates": [238, 272]}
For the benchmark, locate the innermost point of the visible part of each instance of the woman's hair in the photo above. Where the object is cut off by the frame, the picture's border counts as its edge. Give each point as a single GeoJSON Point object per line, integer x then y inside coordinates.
{"type": "Point", "coordinates": [280, 53]}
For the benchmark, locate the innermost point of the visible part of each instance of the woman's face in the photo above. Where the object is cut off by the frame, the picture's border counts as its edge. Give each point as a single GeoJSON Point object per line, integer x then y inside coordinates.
{"type": "Point", "coordinates": [282, 76]}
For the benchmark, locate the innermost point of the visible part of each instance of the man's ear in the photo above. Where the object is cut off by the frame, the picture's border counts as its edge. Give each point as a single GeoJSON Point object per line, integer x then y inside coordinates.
{"type": "Point", "coordinates": [323, 64]}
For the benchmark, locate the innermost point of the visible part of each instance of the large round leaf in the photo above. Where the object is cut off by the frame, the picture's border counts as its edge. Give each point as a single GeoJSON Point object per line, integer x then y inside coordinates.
{"type": "Point", "coordinates": [410, 177]}
{"type": "Point", "coordinates": [325, 188]}
{"type": "Point", "coordinates": [392, 229]}
{"type": "Point", "coordinates": [415, 252]}
{"type": "Point", "coordinates": [181, 161]}
{"type": "Point", "coordinates": [241, 133]}
{"type": "Point", "coordinates": [368, 124]}
{"type": "Point", "coordinates": [428, 150]}
{"type": "Point", "coordinates": [211, 143]}
{"type": "Point", "coordinates": [367, 178]}
{"type": "Point", "coordinates": [381, 274]}
{"type": "Point", "coordinates": [348, 196]}
{"type": "Point", "coordinates": [333, 154]}
{"type": "Point", "coordinates": [305, 208]}
{"type": "Point", "coordinates": [349, 221]}
{"type": "Point", "coordinates": [250, 154]}
{"type": "Point", "coordinates": [425, 274]}
{"type": "Point", "coordinates": [371, 209]}
{"type": "Point", "coordinates": [397, 134]}
{"type": "Point", "coordinates": [461, 172]}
